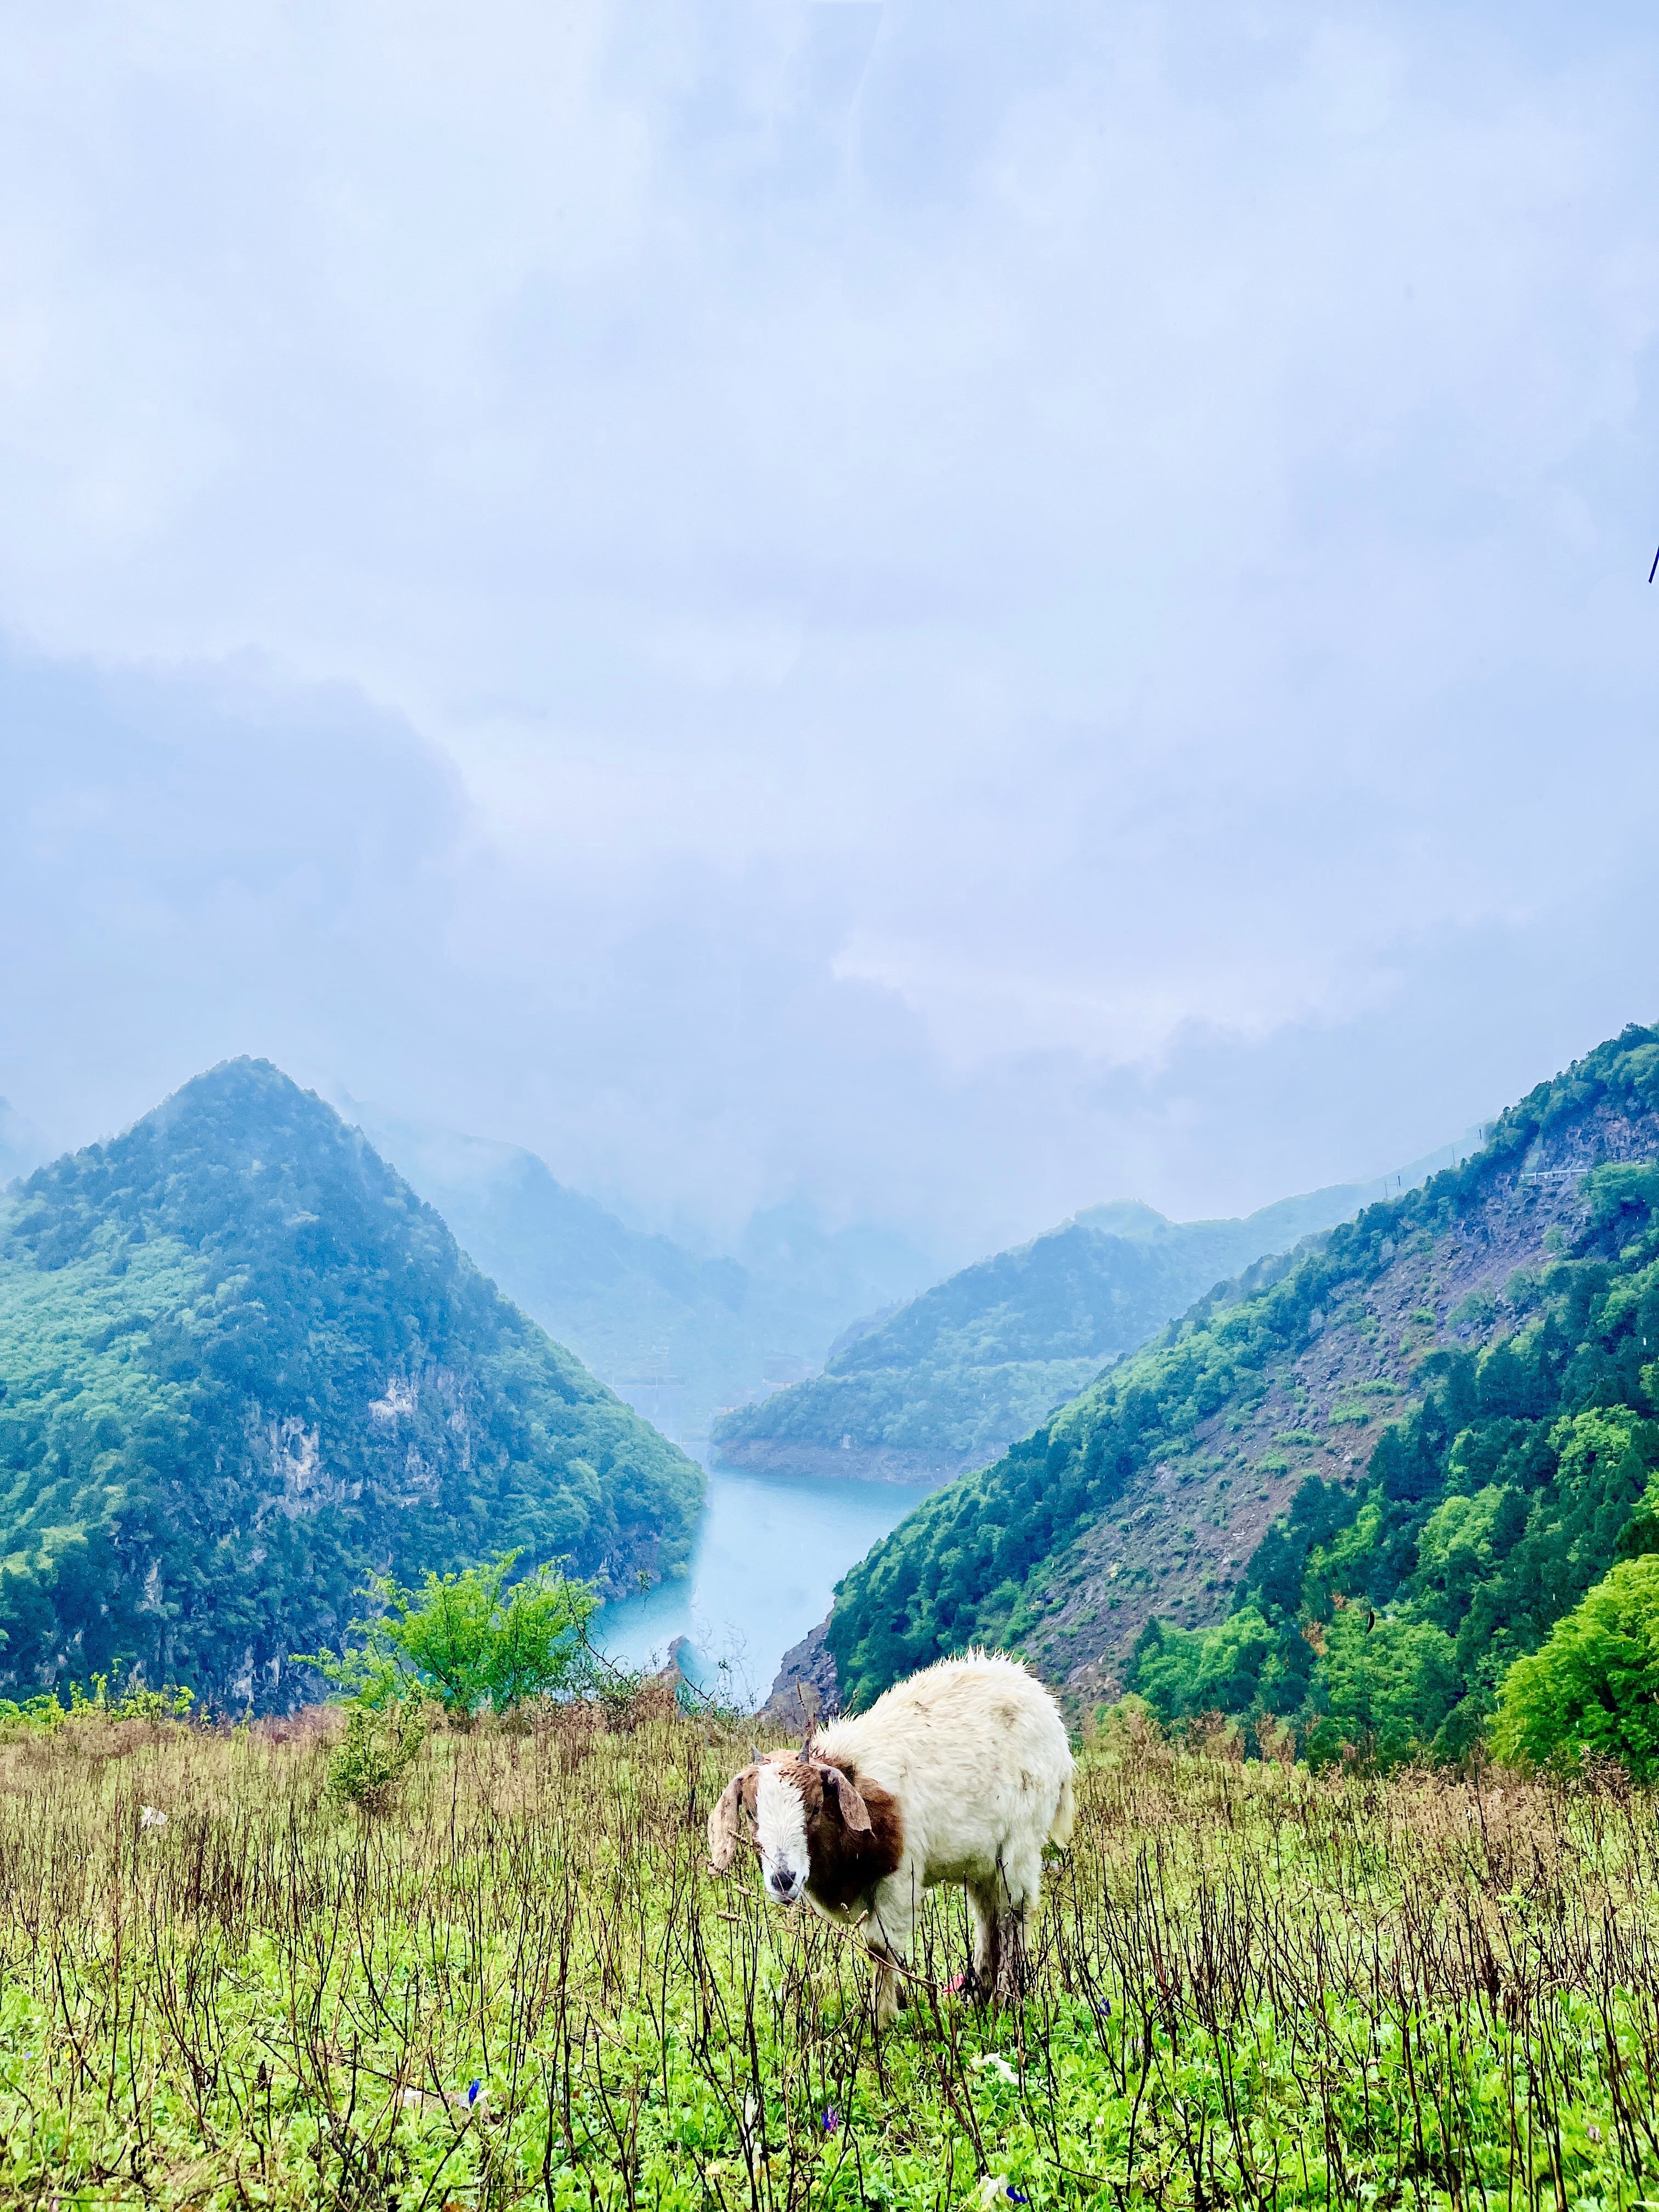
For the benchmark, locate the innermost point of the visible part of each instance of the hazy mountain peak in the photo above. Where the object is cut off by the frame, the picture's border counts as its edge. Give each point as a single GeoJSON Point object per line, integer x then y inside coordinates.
{"type": "Point", "coordinates": [1124, 1216]}
{"type": "Point", "coordinates": [243, 1364]}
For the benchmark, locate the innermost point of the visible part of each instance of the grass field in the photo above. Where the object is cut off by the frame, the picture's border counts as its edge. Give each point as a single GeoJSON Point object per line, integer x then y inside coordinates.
{"type": "Point", "coordinates": [1252, 1987]}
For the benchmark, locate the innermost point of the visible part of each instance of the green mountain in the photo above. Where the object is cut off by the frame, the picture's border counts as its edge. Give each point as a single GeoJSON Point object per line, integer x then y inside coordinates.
{"type": "Point", "coordinates": [949, 1381]}
{"type": "Point", "coordinates": [677, 1334]}
{"type": "Point", "coordinates": [240, 1364]}
{"type": "Point", "coordinates": [1344, 1492]}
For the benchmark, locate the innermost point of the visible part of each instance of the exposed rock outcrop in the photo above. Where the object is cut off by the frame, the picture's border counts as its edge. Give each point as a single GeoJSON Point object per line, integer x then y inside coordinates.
{"type": "Point", "coordinates": [806, 1688]}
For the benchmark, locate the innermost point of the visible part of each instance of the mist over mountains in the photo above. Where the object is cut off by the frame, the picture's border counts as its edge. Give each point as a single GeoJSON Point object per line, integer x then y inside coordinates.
{"type": "Point", "coordinates": [952, 1379]}
{"type": "Point", "coordinates": [677, 1333]}
{"type": "Point", "coordinates": [22, 1146]}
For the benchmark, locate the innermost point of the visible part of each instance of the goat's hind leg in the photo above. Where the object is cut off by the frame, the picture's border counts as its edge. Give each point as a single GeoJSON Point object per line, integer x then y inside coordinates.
{"type": "Point", "coordinates": [891, 1995]}
{"type": "Point", "coordinates": [984, 1904]}
{"type": "Point", "coordinates": [1011, 1964]}
{"type": "Point", "coordinates": [1017, 1896]}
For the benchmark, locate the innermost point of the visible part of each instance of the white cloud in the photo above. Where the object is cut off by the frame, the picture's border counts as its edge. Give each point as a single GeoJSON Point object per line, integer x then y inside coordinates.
{"type": "Point", "coordinates": [964, 560]}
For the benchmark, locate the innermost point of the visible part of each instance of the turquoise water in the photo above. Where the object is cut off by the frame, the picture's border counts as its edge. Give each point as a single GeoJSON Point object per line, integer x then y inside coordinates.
{"type": "Point", "coordinates": [769, 1555]}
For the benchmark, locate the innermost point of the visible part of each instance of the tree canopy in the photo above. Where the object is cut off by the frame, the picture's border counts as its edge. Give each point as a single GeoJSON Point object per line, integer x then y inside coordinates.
{"type": "Point", "coordinates": [1593, 1685]}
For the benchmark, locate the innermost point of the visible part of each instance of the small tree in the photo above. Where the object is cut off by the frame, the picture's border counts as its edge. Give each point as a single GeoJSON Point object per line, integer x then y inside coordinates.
{"type": "Point", "coordinates": [1594, 1685]}
{"type": "Point", "coordinates": [466, 1640]}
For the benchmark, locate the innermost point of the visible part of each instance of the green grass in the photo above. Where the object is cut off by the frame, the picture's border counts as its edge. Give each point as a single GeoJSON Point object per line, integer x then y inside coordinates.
{"type": "Point", "coordinates": [1250, 1987]}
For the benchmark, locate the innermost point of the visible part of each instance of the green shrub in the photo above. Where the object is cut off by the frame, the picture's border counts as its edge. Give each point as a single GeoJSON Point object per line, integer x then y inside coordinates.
{"type": "Point", "coordinates": [1594, 1686]}
{"type": "Point", "coordinates": [1387, 1685]}
{"type": "Point", "coordinates": [1477, 1311]}
{"type": "Point", "coordinates": [43, 1712]}
{"type": "Point", "coordinates": [136, 1704]}
{"type": "Point", "coordinates": [381, 1744]}
{"type": "Point", "coordinates": [466, 1641]}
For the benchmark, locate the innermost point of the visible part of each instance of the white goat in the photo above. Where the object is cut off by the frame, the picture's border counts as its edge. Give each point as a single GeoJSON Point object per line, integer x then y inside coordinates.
{"type": "Point", "coordinates": [962, 1774]}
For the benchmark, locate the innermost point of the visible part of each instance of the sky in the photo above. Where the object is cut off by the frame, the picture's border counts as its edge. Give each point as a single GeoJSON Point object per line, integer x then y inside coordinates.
{"type": "Point", "coordinates": [949, 609]}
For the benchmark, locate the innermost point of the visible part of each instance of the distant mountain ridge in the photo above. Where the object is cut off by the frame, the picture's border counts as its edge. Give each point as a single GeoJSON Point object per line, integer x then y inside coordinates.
{"type": "Point", "coordinates": [951, 1380]}
{"type": "Point", "coordinates": [1341, 1495]}
{"type": "Point", "coordinates": [678, 1333]}
{"type": "Point", "coordinates": [241, 1364]}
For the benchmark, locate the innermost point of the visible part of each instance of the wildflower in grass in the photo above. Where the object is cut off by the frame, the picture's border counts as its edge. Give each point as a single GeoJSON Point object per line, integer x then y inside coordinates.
{"type": "Point", "coordinates": [472, 2092]}
{"type": "Point", "coordinates": [152, 1817]}
{"type": "Point", "coordinates": [832, 2119]}
{"type": "Point", "coordinates": [997, 2189]}
{"type": "Point", "coordinates": [994, 2063]}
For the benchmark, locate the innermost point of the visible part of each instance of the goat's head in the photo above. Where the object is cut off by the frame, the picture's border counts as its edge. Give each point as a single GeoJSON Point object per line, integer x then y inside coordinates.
{"type": "Point", "coordinates": [801, 1809]}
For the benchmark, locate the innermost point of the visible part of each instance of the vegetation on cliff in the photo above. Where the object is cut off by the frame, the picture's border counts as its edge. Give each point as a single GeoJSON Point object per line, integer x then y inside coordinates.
{"type": "Point", "coordinates": [242, 1367]}
{"type": "Point", "coordinates": [1383, 1609]}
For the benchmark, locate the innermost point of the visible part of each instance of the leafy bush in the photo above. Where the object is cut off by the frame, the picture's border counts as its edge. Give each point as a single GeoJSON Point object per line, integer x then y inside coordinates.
{"type": "Point", "coordinates": [467, 1640]}
{"type": "Point", "coordinates": [136, 1703]}
{"type": "Point", "coordinates": [381, 1744]}
{"type": "Point", "coordinates": [1594, 1686]}
{"type": "Point", "coordinates": [1387, 1685]}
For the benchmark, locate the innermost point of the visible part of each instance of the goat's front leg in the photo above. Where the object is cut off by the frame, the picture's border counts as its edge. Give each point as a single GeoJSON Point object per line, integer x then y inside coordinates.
{"type": "Point", "coordinates": [887, 1933]}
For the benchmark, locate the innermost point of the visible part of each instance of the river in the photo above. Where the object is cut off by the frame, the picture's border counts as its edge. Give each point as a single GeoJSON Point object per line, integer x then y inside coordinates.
{"type": "Point", "coordinates": [769, 1552]}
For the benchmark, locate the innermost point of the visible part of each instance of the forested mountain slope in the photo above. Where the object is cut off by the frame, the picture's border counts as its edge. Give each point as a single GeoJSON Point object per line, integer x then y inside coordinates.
{"type": "Point", "coordinates": [677, 1333]}
{"type": "Point", "coordinates": [240, 1364]}
{"type": "Point", "coordinates": [952, 1379]}
{"type": "Point", "coordinates": [1370, 1475]}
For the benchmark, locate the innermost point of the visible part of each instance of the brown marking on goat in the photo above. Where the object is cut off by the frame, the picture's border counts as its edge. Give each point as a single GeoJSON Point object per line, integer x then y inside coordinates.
{"type": "Point", "coordinates": [844, 1862]}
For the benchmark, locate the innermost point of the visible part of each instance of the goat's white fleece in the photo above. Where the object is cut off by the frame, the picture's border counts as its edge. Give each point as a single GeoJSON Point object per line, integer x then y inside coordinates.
{"type": "Point", "coordinates": [976, 1753]}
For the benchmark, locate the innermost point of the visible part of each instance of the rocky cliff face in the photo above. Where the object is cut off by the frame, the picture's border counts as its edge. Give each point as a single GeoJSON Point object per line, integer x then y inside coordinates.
{"type": "Point", "coordinates": [805, 1689]}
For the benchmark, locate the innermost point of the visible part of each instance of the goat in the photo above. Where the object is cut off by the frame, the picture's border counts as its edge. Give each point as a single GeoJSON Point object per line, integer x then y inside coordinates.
{"type": "Point", "coordinates": [961, 1773]}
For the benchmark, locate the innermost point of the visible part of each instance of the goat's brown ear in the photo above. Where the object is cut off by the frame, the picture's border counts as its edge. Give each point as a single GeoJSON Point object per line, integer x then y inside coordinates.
{"type": "Point", "coordinates": [725, 1826]}
{"type": "Point", "coordinates": [854, 1813]}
